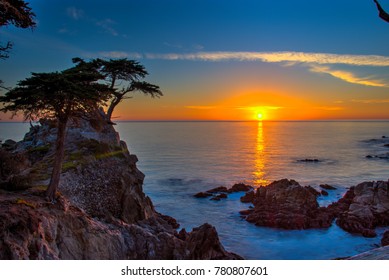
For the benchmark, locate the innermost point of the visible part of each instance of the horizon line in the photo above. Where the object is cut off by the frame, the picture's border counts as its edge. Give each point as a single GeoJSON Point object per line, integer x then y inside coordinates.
{"type": "Point", "coordinates": [297, 120]}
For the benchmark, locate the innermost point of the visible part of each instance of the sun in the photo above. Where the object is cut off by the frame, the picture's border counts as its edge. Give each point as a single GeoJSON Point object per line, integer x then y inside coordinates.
{"type": "Point", "coordinates": [259, 116]}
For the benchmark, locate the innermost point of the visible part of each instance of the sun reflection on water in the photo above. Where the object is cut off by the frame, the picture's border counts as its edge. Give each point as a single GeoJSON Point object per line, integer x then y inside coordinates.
{"type": "Point", "coordinates": [260, 158]}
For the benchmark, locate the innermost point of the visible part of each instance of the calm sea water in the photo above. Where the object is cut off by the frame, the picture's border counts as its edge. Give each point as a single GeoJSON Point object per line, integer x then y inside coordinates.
{"type": "Point", "coordinates": [180, 159]}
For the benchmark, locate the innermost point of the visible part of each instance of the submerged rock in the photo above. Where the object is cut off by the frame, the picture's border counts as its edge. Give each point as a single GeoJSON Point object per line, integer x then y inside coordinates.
{"type": "Point", "coordinates": [309, 160]}
{"type": "Point", "coordinates": [327, 187]}
{"type": "Point", "coordinates": [219, 197]}
{"type": "Point", "coordinates": [286, 204]}
{"type": "Point", "coordinates": [218, 190]}
{"type": "Point", "coordinates": [203, 195]}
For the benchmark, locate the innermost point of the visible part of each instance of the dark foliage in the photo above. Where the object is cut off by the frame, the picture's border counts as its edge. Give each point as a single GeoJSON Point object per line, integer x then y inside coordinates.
{"type": "Point", "coordinates": [74, 92]}
{"type": "Point", "coordinates": [122, 76]}
{"type": "Point", "coordinates": [17, 13]}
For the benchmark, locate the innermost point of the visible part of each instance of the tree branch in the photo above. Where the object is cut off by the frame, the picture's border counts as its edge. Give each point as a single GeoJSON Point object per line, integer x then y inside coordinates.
{"type": "Point", "coordinates": [382, 14]}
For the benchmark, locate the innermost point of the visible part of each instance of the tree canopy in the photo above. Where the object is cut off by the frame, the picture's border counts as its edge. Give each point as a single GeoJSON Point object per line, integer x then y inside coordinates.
{"type": "Point", "coordinates": [74, 92]}
{"type": "Point", "coordinates": [17, 13]}
{"type": "Point", "coordinates": [122, 76]}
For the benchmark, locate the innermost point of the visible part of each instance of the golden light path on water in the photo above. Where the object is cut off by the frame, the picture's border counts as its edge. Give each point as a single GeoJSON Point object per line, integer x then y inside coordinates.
{"type": "Point", "coordinates": [260, 158]}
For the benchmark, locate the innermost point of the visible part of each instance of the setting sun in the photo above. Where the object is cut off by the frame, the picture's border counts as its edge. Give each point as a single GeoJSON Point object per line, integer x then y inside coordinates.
{"type": "Point", "coordinates": [259, 116]}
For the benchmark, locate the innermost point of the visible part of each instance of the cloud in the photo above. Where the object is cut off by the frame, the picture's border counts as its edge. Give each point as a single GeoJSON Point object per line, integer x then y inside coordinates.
{"type": "Point", "coordinates": [347, 76]}
{"type": "Point", "coordinates": [75, 13]}
{"type": "Point", "coordinates": [120, 54]}
{"type": "Point", "coordinates": [175, 46]}
{"type": "Point", "coordinates": [371, 101]}
{"type": "Point", "coordinates": [251, 108]}
{"type": "Point", "coordinates": [286, 57]}
{"type": "Point", "coordinates": [106, 25]}
{"type": "Point", "coordinates": [316, 62]}
{"type": "Point", "coordinates": [201, 107]}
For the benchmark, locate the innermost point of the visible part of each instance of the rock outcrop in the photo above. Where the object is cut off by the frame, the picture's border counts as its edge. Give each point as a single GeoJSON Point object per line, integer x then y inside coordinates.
{"type": "Point", "coordinates": [366, 207]}
{"type": "Point", "coordinates": [286, 204]}
{"type": "Point", "coordinates": [32, 228]}
{"type": "Point", "coordinates": [222, 192]}
{"type": "Point", "coordinates": [101, 210]}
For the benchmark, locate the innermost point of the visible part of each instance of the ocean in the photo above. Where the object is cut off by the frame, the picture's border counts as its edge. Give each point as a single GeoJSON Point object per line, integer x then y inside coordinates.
{"type": "Point", "coordinates": [181, 159]}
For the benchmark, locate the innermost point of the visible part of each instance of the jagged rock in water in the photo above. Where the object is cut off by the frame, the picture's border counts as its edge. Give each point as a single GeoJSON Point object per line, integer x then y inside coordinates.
{"type": "Point", "coordinates": [366, 208]}
{"type": "Point", "coordinates": [248, 197]}
{"type": "Point", "coordinates": [240, 187]}
{"type": "Point", "coordinates": [327, 187]}
{"type": "Point", "coordinates": [203, 243]}
{"type": "Point", "coordinates": [286, 204]}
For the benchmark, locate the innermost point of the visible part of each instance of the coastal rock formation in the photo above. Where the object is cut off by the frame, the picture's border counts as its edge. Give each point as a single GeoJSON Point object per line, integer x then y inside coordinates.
{"type": "Point", "coordinates": [31, 228]}
{"type": "Point", "coordinates": [221, 192]}
{"type": "Point", "coordinates": [286, 204]}
{"type": "Point", "coordinates": [366, 207]}
{"type": "Point", "coordinates": [101, 211]}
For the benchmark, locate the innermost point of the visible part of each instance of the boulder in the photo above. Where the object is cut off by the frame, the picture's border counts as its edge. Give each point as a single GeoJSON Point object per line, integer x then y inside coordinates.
{"type": "Point", "coordinates": [366, 207]}
{"type": "Point", "coordinates": [202, 195]}
{"type": "Point", "coordinates": [327, 187]}
{"type": "Point", "coordinates": [286, 204]}
{"type": "Point", "coordinates": [203, 243]}
{"type": "Point", "coordinates": [385, 239]}
{"type": "Point", "coordinates": [248, 197]}
{"type": "Point", "coordinates": [9, 144]}
{"type": "Point", "coordinates": [240, 187]}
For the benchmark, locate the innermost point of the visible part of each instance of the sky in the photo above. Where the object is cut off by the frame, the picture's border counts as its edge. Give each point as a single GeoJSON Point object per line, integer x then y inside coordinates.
{"type": "Point", "coordinates": [221, 59]}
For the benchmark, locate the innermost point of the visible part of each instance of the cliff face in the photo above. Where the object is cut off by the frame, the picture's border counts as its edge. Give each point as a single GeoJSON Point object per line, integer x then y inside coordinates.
{"type": "Point", "coordinates": [101, 210]}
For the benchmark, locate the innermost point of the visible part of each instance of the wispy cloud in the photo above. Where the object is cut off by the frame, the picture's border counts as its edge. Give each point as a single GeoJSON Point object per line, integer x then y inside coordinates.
{"type": "Point", "coordinates": [316, 62]}
{"type": "Point", "coordinates": [119, 54]}
{"type": "Point", "coordinates": [175, 46]}
{"type": "Point", "coordinates": [251, 108]}
{"type": "Point", "coordinates": [75, 13]}
{"type": "Point", "coordinates": [347, 76]}
{"type": "Point", "coordinates": [371, 101]}
{"type": "Point", "coordinates": [113, 54]}
{"type": "Point", "coordinates": [289, 57]}
{"type": "Point", "coordinates": [200, 107]}
{"type": "Point", "coordinates": [106, 25]}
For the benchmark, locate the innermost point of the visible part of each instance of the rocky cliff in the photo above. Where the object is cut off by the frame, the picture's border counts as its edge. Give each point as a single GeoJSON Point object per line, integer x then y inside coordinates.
{"type": "Point", "coordinates": [101, 211]}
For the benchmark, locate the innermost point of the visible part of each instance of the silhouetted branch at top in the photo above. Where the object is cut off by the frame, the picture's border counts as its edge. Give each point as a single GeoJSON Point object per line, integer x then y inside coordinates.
{"type": "Point", "coordinates": [17, 13]}
{"type": "Point", "coordinates": [384, 15]}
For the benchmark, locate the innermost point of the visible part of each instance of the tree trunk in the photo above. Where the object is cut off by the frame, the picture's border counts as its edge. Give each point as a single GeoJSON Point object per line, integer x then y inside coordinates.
{"type": "Point", "coordinates": [58, 158]}
{"type": "Point", "coordinates": [112, 106]}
